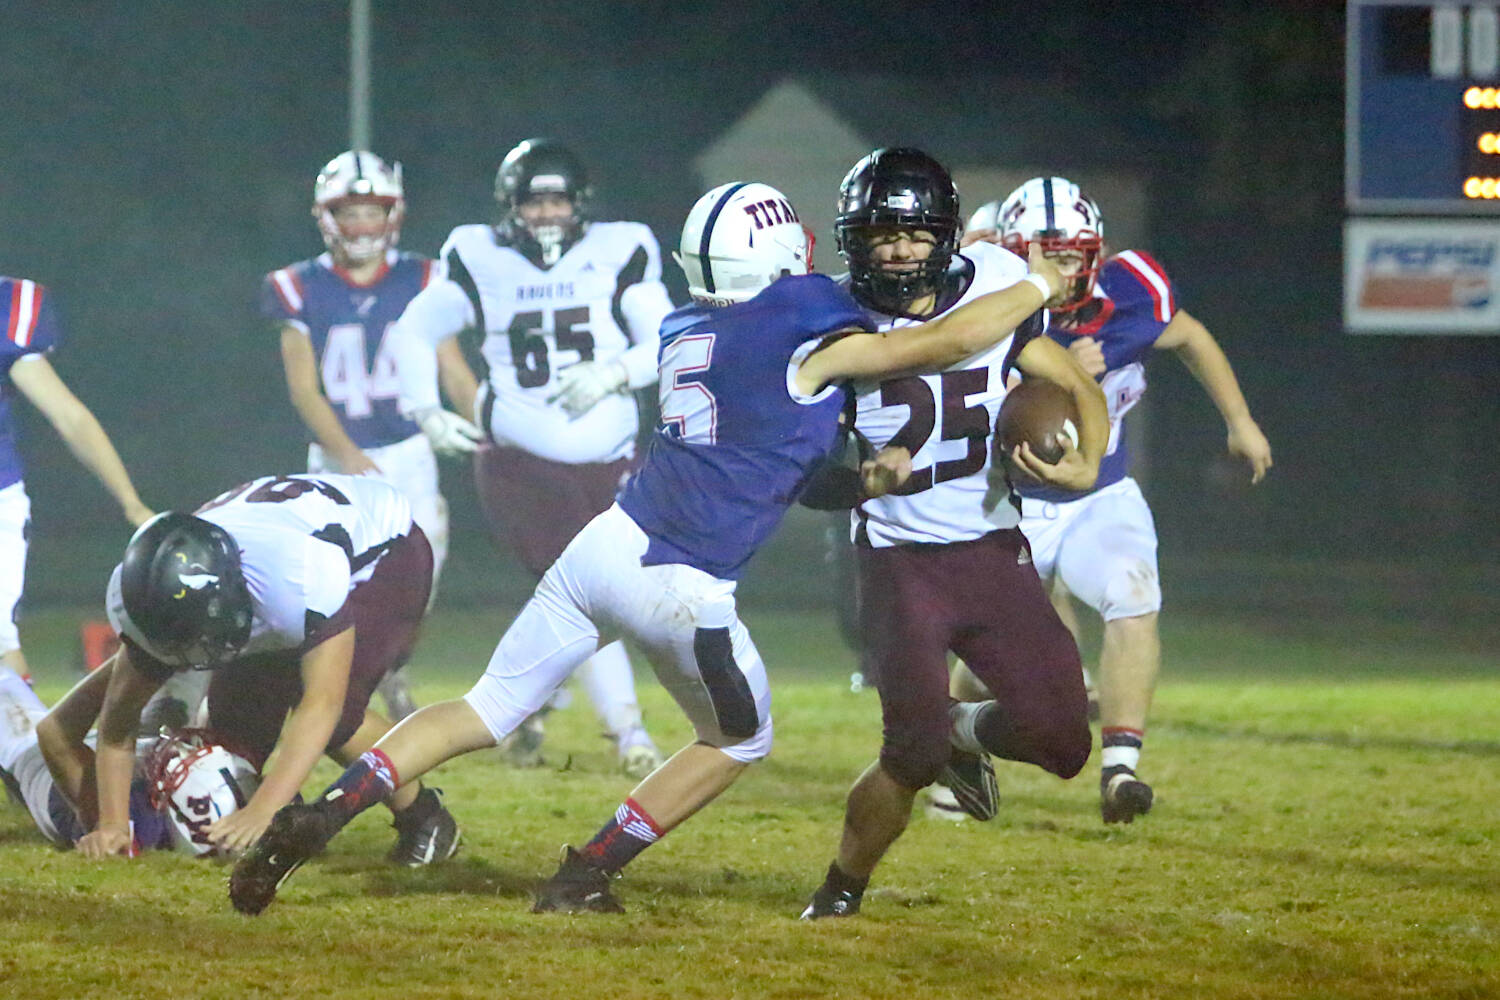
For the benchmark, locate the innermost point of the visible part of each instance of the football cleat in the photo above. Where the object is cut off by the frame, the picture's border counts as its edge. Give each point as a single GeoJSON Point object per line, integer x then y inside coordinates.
{"type": "Point", "coordinates": [1123, 796]}
{"type": "Point", "coordinates": [523, 747]}
{"type": "Point", "coordinates": [396, 693]}
{"type": "Point", "coordinates": [297, 832]}
{"type": "Point", "coordinates": [577, 887]}
{"type": "Point", "coordinates": [940, 803]}
{"type": "Point", "coordinates": [971, 778]}
{"type": "Point", "coordinates": [425, 832]}
{"type": "Point", "coordinates": [638, 754]}
{"type": "Point", "coordinates": [828, 902]}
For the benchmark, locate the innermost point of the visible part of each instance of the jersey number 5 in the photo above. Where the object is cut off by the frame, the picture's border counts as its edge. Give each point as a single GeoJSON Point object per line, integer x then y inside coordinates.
{"type": "Point", "coordinates": [689, 411]}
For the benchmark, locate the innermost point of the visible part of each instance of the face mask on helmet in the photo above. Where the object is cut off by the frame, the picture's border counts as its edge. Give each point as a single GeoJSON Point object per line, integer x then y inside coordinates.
{"type": "Point", "coordinates": [346, 197]}
{"type": "Point", "coordinates": [543, 192]}
{"type": "Point", "coordinates": [182, 592]}
{"type": "Point", "coordinates": [738, 238]}
{"type": "Point", "coordinates": [1053, 213]}
{"type": "Point", "coordinates": [888, 194]}
{"type": "Point", "coordinates": [196, 781]}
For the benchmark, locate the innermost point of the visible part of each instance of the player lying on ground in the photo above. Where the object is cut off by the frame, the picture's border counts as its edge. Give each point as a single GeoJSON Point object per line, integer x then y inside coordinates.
{"type": "Point", "coordinates": [300, 593]}
{"type": "Point", "coordinates": [752, 384]}
{"type": "Point", "coordinates": [182, 781]}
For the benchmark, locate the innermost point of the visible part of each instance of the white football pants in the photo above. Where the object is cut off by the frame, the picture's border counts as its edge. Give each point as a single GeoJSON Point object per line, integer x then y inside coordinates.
{"type": "Point", "coordinates": [1102, 545]}
{"type": "Point", "coordinates": [684, 619]}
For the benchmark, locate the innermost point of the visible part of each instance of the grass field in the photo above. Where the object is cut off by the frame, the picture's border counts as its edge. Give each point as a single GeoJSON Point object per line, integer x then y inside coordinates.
{"type": "Point", "coordinates": [1326, 827]}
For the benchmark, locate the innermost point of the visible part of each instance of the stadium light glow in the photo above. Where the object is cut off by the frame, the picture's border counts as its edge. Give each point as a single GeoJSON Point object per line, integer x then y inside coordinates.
{"type": "Point", "coordinates": [1482, 97]}
{"type": "Point", "coordinates": [1489, 143]}
{"type": "Point", "coordinates": [1487, 188]}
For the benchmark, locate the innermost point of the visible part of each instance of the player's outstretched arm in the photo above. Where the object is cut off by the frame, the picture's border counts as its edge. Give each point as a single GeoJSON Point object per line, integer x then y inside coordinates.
{"type": "Point", "coordinates": [304, 738]}
{"type": "Point", "coordinates": [114, 759]}
{"type": "Point", "coordinates": [457, 379]}
{"type": "Point", "coordinates": [1078, 469]}
{"type": "Point", "coordinates": [300, 367]}
{"type": "Point", "coordinates": [1203, 356]}
{"type": "Point", "coordinates": [76, 425]}
{"type": "Point", "coordinates": [60, 736]}
{"type": "Point", "coordinates": [938, 343]}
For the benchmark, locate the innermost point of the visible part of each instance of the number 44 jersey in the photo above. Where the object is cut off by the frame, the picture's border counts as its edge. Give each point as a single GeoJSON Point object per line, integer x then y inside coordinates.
{"type": "Point", "coordinates": [602, 301]}
{"type": "Point", "coordinates": [347, 324]}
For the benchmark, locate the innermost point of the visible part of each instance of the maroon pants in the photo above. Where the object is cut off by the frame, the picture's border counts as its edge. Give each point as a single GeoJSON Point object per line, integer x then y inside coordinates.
{"type": "Point", "coordinates": [248, 700]}
{"type": "Point", "coordinates": [983, 600]}
{"type": "Point", "coordinates": [536, 506]}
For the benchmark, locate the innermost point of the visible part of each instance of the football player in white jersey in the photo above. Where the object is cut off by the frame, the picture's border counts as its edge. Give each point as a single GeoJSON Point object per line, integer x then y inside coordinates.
{"type": "Point", "coordinates": [332, 313]}
{"type": "Point", "coordinates": [942, 563]}
{"type": "Point", "coordinates": [300, 593]}
{"type": "Point", "coordinates": [1100, 544]}
{"type": "Point", "coordinates": [32, 331]}
{"type": "Point", "coordinates": [569, 310]}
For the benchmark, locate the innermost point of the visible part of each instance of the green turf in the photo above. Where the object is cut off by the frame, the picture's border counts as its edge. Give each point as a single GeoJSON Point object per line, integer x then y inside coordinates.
{"type": "Point", "coordinates": [1325, 828]}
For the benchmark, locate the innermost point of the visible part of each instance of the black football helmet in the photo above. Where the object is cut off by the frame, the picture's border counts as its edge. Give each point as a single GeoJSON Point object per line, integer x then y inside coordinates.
{"type": "Point", "coordinates": [536, 167]}
{"type": "Point", "coordinates": [184, 591]}
{"type": "Point", "coordinates": [896, 187]}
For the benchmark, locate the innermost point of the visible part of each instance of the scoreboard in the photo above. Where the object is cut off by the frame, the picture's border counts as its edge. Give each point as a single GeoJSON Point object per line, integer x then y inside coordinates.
{"type": "Point", "coordinates": [1422, 135]}
{"type": "Point", "coordinates": [1422, 168]}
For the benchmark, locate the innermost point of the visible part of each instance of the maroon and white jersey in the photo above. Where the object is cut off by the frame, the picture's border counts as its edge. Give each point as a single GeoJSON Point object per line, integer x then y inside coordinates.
{"type": "Point", "coordinates": [945, 421]}
{"type": "Point", "coordinates": [602, 300]}
{"type": "Point", "coordinates": [305, 542]}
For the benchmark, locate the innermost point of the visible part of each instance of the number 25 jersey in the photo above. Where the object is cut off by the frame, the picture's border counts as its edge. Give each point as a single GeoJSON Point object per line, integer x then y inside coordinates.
{"type": "Point", "coordinates": [945, 421]}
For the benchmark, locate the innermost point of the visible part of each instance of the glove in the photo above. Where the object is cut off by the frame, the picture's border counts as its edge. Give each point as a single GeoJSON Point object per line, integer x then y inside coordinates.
{"type": "Point", "coordinates": [449, 433]}
{"type": "Point", "coordinates": [582, 385]}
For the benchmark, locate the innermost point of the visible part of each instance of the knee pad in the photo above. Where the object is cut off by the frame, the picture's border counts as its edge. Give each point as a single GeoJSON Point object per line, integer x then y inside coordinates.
{"type": "Point", "coordinates": [1134, 589]}
{"type": "Point", "coordinates": [754, 749]}
{"type": "Point", "coordinates": [916, 765]}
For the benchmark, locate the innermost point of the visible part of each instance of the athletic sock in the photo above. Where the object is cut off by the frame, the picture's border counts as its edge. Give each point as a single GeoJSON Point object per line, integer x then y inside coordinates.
{"type": "Point", "coordinates": [367, 781]}
{"type": "Point", "coordinates": [838, 880]}
{"type": "Point", "coordinates": [963, 716]}
{"type": "Point", "coordinates": [630, 832]}
{"type": "Point", "coordinates": [1122, 747]}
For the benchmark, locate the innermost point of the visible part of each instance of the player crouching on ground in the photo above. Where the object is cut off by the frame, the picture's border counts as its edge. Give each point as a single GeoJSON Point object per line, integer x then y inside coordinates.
{"type": "Point", "coordinates": [300, 593]}
{"type": "Point", "coordinates": [753, 381]}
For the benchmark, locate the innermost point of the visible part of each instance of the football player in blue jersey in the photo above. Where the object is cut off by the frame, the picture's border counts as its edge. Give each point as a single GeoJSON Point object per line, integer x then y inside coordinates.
{"type": "Point", "coordinates": [333, 313]}
{"type": "Point", "coordinates": [28, 315]}
{"type": "Point", "coordinates": [1100, 544]}
{"type": "Point", "coordinates": [752, 386]}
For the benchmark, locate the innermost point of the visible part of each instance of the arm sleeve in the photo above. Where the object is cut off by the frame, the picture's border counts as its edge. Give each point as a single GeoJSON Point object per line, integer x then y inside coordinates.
{"type": "Point", "coordinates": [30, 322]}
{"type": "Point", "coordinates": [644, 306]}
{"type": "Point", "coordinates": [437, 312]}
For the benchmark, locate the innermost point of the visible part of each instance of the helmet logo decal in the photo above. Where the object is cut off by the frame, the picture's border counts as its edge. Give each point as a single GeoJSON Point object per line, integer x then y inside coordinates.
{"type": "Point", "coordinates": [548, 184]}
{"type": "Point", "coordinates": [901, 201]}
{"type": "Point", "coordinates": [771, 212]}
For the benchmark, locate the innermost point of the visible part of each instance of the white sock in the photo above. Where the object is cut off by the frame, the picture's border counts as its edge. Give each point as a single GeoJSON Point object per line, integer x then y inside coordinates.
{"type": "Point", "coordinates": [963, 715]}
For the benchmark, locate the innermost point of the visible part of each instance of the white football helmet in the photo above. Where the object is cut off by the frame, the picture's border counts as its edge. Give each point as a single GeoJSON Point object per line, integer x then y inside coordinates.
{"type": "Point", "coordinates": [357, 175]}
{"type": "Point", "coordinates": [986, 216]}
{"type": "Point", "coordinates": [739, 238]}
{"type": "Point", "coordinates": [1064, 220]}
{"type": "Point", "coordinates": [196, 781]}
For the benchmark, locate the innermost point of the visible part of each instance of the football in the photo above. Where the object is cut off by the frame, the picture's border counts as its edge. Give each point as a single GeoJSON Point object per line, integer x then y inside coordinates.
{"type": "Point", "coordinates": [1040, 413]}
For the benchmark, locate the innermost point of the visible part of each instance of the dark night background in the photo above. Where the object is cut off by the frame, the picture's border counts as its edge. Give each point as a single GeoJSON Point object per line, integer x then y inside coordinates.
{"type": "Point", "coordinates": [156, 159]}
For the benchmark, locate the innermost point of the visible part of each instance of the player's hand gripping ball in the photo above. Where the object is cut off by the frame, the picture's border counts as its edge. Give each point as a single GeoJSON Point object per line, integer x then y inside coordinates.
{"type": "Point", "coordinates": [1041, 413]}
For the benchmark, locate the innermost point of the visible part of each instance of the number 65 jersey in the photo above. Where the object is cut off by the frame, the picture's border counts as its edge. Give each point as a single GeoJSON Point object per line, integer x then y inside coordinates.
{"type": "Point", "coordinates": [945, 421]}
{"type": "Point", "coordinates": [603, 300]}
{"type": "Point", "coordinates": [305, 542]}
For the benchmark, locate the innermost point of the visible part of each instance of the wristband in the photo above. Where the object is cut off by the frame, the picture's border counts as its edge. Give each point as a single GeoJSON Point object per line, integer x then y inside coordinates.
{"type": "Point", "coordinates": [1041, 285]}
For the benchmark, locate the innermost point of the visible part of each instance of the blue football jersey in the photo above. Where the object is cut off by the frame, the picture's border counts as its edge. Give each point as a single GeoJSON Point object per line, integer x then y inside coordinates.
{"type": "Point", "coordinates": [736, 444]}
{"type": "Point", "coordinates": [347, 324]}
{"type": "Point", "coordinates": [1136, 302]}
{"type": "Point", "coordinates": [30, 322]}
